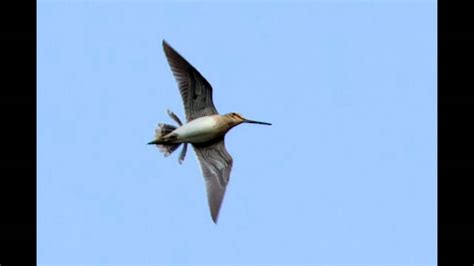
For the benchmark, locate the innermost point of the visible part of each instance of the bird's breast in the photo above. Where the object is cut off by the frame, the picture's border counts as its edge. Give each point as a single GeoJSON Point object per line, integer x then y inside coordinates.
{"type": "Point", "coordinates": [200, 130]}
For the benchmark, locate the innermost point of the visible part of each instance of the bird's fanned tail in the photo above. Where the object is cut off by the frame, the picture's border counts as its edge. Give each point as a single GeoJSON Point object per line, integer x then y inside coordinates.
{"type": "Point", "coordinates": [162, 141]}
{"type": "Point", "coordinates": [165, 148]}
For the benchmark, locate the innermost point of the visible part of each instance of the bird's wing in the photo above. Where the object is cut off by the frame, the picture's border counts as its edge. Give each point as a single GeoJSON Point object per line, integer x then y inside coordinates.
{"type": "Point", "coordinates": [194, 88]}
{"type": "Point", "coordinates": [216, 164]}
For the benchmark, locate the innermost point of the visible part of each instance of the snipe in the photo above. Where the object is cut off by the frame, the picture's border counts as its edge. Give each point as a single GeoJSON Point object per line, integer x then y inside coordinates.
{"type": "Point", "coordinates": [205, 129]}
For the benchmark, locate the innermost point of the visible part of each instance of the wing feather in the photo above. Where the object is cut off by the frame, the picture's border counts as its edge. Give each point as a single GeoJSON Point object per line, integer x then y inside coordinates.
{"type": "Point", "coordinates": [216, 164]}
{"type": "Point", "coordinates": [195, 91]}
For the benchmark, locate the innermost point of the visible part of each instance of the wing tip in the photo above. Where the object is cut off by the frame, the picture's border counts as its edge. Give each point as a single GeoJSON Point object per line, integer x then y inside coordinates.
{"type": "Point", "coordinates": [168, 49]}
{"type": "Point", "coordinates": [166, 45]}
{"type": "Point", "coordinates": [215, 209]}
{"type": "Point", "coordinates": [175, 59]}
{"type": "Point", "coordinates": [215, 217]}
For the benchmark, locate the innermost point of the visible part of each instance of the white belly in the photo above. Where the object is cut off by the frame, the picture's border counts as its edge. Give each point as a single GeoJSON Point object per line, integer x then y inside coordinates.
{"type": "Point", "coordinates": [201, 129]}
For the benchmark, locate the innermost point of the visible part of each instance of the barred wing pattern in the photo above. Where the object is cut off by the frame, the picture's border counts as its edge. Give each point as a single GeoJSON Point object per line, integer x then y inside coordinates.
{"type": "Point", "coordinates": [194, 88]}
{"type": "Point", "coordinates": [216, 164]}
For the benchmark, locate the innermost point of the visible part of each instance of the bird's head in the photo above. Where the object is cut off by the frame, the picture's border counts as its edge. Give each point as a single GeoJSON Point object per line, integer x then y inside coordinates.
{"type": "Point", "coordinates": [237, 119]}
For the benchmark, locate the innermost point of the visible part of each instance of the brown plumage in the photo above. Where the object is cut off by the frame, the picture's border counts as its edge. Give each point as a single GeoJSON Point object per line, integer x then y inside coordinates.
{"type": "Point", "coordinates": [205, 129]}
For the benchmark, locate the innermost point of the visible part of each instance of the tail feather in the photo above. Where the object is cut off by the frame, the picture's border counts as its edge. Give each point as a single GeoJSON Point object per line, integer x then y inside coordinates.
{"type": "Point", "coordinates": [163, 138]}
{"type": "Point", "coordinates": [160, 132]}
{"type": "Point", "coordinates": [163, 129]}
{"type": "Point", "coordinates": [183, 153]}
{"type": "Point", "coordinates": [168, 149]}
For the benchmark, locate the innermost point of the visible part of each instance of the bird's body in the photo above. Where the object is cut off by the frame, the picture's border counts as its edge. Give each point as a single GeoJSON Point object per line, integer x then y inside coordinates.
{"type": "Point", "coordinates": [205, 129]}
{"type": "Point", "coordinates": [200, 130]}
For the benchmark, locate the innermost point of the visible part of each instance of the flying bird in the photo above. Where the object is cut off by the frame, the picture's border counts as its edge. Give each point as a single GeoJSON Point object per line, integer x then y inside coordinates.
{"type": "Point", "coordinates": [205, 129]}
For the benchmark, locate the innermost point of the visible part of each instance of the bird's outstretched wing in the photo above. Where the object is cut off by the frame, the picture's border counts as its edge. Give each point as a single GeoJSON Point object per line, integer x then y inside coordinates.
{"type": "Point", "coordinates": [194, 88]}
{"type": "Point", "coordinates": [216, 164]}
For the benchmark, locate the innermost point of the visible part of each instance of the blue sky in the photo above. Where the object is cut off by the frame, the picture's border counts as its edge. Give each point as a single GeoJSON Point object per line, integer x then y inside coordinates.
{"type": "Point", "coordinates": [346, 174]}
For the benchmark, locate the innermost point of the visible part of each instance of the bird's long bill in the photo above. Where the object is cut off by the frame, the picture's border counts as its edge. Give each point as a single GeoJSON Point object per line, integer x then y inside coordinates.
{"type": "Point", "coordinates": [256, 122]}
